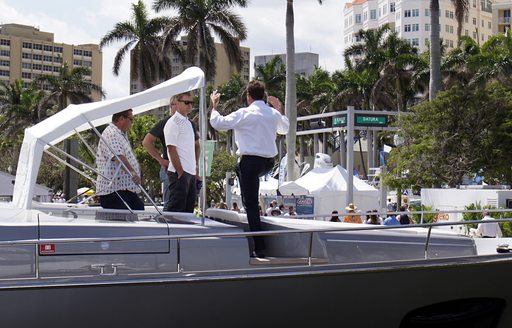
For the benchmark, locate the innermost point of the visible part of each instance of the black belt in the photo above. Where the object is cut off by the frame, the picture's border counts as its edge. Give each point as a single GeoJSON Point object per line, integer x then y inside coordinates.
{"type": "Point", "coordinates": [487, 237]}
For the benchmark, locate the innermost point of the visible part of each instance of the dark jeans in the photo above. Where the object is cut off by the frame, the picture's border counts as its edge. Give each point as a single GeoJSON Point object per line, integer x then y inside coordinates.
{"type": "Point", "coordinates": [249, 170]}
{"type": "Point", "coordinates": [182, 193]}
{"type": "Point", "coordinates": [113, 201]}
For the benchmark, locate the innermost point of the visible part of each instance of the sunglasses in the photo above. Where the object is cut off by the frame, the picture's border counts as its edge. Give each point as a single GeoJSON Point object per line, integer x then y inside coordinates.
{"type": "Point", "coordinates": [186, 102]}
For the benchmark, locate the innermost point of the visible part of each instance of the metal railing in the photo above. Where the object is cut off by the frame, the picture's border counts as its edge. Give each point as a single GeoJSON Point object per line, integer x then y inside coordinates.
{"type": "Point", "coordinates": [180, 238]}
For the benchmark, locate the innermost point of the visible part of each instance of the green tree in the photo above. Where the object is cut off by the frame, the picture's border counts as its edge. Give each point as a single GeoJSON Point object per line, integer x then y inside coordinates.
{"type": "Point", "coordinates": [462, 132]}
{"type": "Point", "coordinates": [273, 74]}
{"type": "Point", "coordinates": [143, 38]}
{"type": "Point", "coordinates": [201, 20]}
{"type": "Point", "coordinates": [222, 162]}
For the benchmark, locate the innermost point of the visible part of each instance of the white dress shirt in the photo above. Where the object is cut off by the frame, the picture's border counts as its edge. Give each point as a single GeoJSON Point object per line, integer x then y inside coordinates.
{"type": "Point", "coordinates": [179, 132]}
{"type": "Point", "coordinates": [489, 229]}
{"type": "Point", "coordinates": [255, 128]}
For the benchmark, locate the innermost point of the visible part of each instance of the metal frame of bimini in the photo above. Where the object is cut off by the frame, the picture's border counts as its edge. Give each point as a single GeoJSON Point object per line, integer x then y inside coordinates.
{"type": "Point", "coordinates": [43, 136]}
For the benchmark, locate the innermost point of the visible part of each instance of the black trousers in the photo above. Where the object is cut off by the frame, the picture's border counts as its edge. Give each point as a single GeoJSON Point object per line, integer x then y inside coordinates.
{"type": "Point", "coordinates": [113, 201]}
{"type": "Point", "coordinates": [249, 170]}
{"type": "Point", "coordinates": [182, 193]}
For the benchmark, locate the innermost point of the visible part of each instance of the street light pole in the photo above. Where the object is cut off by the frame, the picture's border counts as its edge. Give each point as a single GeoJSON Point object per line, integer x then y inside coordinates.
{"type": "Point", "coordinates": [350, 154]}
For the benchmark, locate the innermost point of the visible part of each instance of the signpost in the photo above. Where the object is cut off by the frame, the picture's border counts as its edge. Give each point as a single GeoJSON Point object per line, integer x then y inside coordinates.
{"type": "Point", "coordinates": [361, 120]}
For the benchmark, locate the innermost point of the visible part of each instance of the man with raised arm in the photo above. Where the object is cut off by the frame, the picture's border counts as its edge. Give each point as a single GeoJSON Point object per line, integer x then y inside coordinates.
{"type": "Point", "coordinates": [256, 127]}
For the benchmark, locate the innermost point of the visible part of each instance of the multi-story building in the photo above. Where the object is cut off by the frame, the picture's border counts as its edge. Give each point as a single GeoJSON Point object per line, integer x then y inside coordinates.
{"type": "Point", "coordinates": [501, 15]}
{"type": "Point", "coordinates": [26, 52]}
{"type": "Point", "coordinates": [411, 20]}
{"type": "Point", "coordinates": [224, 70]}
{"type": "Point", "coordinates": [305, 62]}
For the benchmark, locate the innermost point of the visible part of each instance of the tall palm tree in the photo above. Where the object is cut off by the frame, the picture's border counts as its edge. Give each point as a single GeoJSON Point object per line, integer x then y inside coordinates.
{"type": "Point", "coordinates": [291, 92]}
{"type": "Point", "coordinates": [143, 38]}
{"type": "Point", "coordinates": [200, 20]}
{"type": "Point", "coordinates": [435, 51]}
{"type": "Point", "coordinates": [461, 9]}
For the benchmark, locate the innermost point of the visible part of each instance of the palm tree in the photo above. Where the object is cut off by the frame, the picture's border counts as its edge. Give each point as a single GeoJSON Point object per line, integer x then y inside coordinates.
{"type": "Point", "coordinates": [142, 37]}
{"type": "Point", "coordinates": [200, 20]}
{"type": "Point", "coordinates": [494, 63]}
{"type": "Point", "coordinates": [70, 86]}
{"type": "Point", "coordinates": [461, 9]}
{"type": "Point", "coordinates": [273, 74]}
{"type": "Point", "coordinates": [291, 92]}
{"type": "Point", "coordinates": [435, 51]}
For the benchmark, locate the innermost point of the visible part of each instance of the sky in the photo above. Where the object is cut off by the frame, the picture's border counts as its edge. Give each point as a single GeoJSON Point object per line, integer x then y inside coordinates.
{"type": "Point", "coordinates": [318, 28]}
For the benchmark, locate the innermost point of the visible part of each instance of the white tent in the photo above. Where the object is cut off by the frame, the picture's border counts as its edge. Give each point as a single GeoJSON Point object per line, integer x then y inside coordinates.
{"type": "Point", "coordinates": [328, 186]}
{"type": "Point", "coordinates": [80, 117]}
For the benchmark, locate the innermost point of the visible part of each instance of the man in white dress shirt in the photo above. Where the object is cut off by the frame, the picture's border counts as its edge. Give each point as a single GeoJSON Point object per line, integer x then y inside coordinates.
{"type": "Point", "coordinates": [488, 230]}
{"type": "Point", "coordinates": [255, 127]}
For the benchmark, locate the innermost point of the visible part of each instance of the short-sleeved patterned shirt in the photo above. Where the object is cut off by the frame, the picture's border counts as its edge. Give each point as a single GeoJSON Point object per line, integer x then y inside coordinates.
{"type": "Point", "coordinates": [118, 141]}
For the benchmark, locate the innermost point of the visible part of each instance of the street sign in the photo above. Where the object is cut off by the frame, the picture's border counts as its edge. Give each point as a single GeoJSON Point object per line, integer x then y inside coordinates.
{"type": "Point", "coordinates": [339, 120]}
{"type": "Point", "coordinates": [371, 120]}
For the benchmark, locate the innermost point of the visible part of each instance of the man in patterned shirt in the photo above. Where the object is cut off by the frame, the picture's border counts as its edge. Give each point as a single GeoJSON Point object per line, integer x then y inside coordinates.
{"type": "Point", "coordinates": [119, 172]}
{"type": "Point", "coordinates": [182, 145]}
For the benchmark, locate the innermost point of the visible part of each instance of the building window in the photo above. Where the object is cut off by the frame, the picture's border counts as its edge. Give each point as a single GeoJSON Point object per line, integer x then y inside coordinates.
{"type": "Point", "coordinates": [5, 42]}
{"type": "Point", "coordinates": [37, 57]}
{"type": "Point", "coordinates": [26, 65]}
{"type": "Point", "coordinates": [415, 42]}
{"type": "Point", "coordinates": [47, 47]}
{"type": "Point", "coordinates": [427, 27]}
{"type": "Point", "coordinates": [489, 25]}
{"type": "Point", "coordinates": [87, 63]}
{"type": "Point", "coordinates": [447, 14]}
{"type": "Point", "coordinates": [77, 62]}
{"type": "Point", "coordinates": [474, 36]}
{"type": "Point", "coordinates": [57, 60]}
{"type": "Point", "coordinates": [358, 18]}
{"type": "Point", "coordinates": [415, 27]}
{"type": "Point", "coordinates": [466, 32]}
{"type": "Point", "coordinates": [77, 52]}
{"type": "Point", "coordinates": [415, 13]}
{"type": "Point", "coordinates": [87, 53]}
{"type": "Point", "coordinates": [48, 58]}
{"type": "Point", "coordinates": [451, 43]}
{"type": "Point", "coordinates": [407, 13]}
{"type": "Point", "coordinates": [27, 45]}
{"type": "Point", "coordinates": [57, 49]}
{"type": "Point", "coordinates": [392, 7]}
{"type": "Point", "coordinates": [26, 75]}
{"type": "Point", "coordinates": [365, 16]}
{"type": "Point", "coordinates": [373, 14]}
{"type": "Point", "coordinates": [407, 27]}
{"type": "Point", "coordinates": [4, 73]}
{"type": "Point", "coordinates": [427, 12]}
{"type": "Point", "coordinates": [474, 20]}
{"type": "Point", "coordinates": [56, 69]}
{"type": "Point", "coordinates": [5, 53]}
{"type": "Point", "coordinates": [37, 67]}
{"type": "Point", "coordinates": [37, 46]}
{"type": "Point", "coordinates": [26, 55]}
{"type": "Point", "coordinates": [5, 63]}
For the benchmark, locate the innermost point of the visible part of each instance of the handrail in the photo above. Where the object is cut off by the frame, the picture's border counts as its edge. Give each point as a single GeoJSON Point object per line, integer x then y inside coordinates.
{"type": "Point", "coordinates": [362, 227]}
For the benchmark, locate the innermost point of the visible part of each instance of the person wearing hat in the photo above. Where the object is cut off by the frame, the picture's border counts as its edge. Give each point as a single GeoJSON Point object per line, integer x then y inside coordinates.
{"type": "Point", "coordinates": [351, 208]}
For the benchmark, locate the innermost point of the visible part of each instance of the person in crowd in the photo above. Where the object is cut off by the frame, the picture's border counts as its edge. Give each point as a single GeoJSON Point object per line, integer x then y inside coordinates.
{"type": "Point", "coordinates": [372, 218]}
{"type": "Point", "coordinates": [182, 144]}
{"type": "Point", "coordinates": [488, 230]}
{"type": "Point", "coordinates": [273, 204]}
{"type": "Point", "coordinates": [335, 217]}
{"type": "Point", "coordinates": [119, 180]}
{"type": "Point", "coordinates": [290, 211]}
{"type": "Point", "coordinates": [276, 212]}
{"type": "Point", "coordinates": [235, 207]}
{"type": "Point", "coordinates": [157, 133]}
{"type": "Point", "coordinates": [256, 127]}
{"type": "Point", "coordinates": [391, 206]}
{"type": "Point", "coordinates": [391, 220]}
{"type": "Point", "coordinates": [350, 218]}
{"type": "Point", "coordinates": [403, 217]}
{"type": "Point", "coordinates": [281, 208]}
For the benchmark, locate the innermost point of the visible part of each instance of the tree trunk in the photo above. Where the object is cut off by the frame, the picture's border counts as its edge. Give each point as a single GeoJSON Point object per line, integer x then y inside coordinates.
{"type": "Point", "coordinates": [435, 50]}
{"type": "Point", "coordinates": [291, 93]}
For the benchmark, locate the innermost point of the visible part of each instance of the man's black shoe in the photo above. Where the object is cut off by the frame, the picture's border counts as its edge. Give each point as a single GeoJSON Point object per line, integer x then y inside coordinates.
{"type": "Point", "coordinates": [258, 254]}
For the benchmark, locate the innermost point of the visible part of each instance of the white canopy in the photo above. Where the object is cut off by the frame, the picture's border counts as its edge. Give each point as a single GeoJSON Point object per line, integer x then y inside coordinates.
{"type": "Point", "coordinates": [77, 117]}
{"type": "Point", "coordinates": [329, 188]}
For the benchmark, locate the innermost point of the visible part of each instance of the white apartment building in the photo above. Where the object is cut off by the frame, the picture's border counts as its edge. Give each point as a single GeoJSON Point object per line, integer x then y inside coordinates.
{"type": "Point", "coordinates": [501, 15]}
{"type": "Point", "coordinates": [411, 20]}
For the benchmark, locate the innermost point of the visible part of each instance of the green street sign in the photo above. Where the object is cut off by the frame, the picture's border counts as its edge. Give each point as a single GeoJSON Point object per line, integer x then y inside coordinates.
{"type": "Point", "coordinates": [339, 120]}
{"type": "Point", "coordinates": [371, 120]}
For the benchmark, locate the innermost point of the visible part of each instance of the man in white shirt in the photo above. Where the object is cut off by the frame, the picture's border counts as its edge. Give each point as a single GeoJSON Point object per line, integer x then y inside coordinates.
{"type": "Point", "coordinates": [119, 179]}
{"type": "Point", "coordinates": [183, 151]}
{"type": "Point", "coordinates": [488, 230]}
{"type": "Point", "coordinates": [255, 127]}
